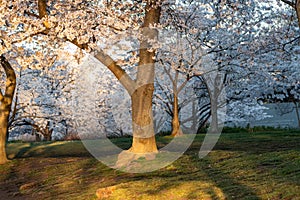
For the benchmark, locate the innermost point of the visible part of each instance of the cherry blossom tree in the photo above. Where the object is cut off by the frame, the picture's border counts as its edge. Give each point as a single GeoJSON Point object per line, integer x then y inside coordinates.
{"type": "Point", "coordinates": [282, 77]}
{"type": "Point", "coordinates": [174, 92]}
{"type": "Point", "coordinates": [34, 33]}
{"type": "Point", "coordinates": [275, 64]}
{"type": "Point", "coordinates": [85, 23]}
{"type": "Point", "coordinates": [38, 101]}
{"type": "Point", "coordinates": [295, 5]}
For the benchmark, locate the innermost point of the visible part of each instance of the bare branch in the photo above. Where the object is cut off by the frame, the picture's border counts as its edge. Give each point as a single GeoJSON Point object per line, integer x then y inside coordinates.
{"type": "Point", "coordinates": [31, 14]}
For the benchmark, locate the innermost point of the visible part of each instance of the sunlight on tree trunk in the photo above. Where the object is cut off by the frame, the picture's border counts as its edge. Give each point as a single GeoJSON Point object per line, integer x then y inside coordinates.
{"type": "Point", "coordinates": [142, 118]}
{"type": "Point", "coordinates": [5, 105]}
{"type": "Point", "coordinates": [3, 133]}
{"type": "Point", "coordinates": [176, 130]}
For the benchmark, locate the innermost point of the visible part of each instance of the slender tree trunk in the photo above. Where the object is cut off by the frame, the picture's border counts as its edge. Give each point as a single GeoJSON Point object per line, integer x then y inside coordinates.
{"type": "Point", "coordinates": [214, 94]}
{"type": "Point", "coordinates": [297, 112]}
{"type": "Point", "coordinates": [176, 130]}
{"type": "Point", "coordinates": [37, 137]}
{"type": "Point", "coordinates": [5, 105]}
{"type": "Point", "coordinates": [214, 114]}
{"type": "Point", "coordinates": [48, 134]}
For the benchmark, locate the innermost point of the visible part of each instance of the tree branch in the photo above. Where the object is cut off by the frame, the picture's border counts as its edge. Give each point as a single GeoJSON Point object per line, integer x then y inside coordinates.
{"type": "Point", "coordinates": [1, 96]}
{"type": "Point", "coordinates": [105, 59]}
{"type": "Point", "coordinates": [119, 73]}
{"type": "Point", "coordinates": [42, 8]}
{"type": "Point", "coordinates": [10, 79]}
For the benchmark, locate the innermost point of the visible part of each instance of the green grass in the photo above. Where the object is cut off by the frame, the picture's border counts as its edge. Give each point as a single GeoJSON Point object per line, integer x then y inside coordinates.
{"type": "Point", "coordinates": [260, 165]}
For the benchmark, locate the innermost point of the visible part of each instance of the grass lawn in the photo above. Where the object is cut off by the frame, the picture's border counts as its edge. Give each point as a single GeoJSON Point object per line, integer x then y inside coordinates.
{"type": "Point", "coordinates": [243, 166]}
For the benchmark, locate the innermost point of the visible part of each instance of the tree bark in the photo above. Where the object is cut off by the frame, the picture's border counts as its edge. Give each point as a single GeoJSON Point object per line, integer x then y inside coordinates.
{"type": "Point", "coordinates": [214, 114]}
{"type": "Point", "coordinates": [47, 134]}
{"type": "Point", "coordinates": [3, 133]}
{"type": "Point", "coordinates": [141, 98]}
{"type": "Point", "coordinates": [214, 94]}
{"type": "Point", "coordinates": [176, 130]}
{"type": "Point", "coordinates": [142, 118]}
{"type": "Point", "coordinates": [5, 105]}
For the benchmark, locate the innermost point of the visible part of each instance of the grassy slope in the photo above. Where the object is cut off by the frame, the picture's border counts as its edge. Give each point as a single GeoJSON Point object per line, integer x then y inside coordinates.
{"type": "Point", "coordinates": [241, 166]}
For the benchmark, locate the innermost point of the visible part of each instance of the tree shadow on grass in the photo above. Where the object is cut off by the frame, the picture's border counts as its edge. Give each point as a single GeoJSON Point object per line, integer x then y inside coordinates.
{"type": "Point", "coordinates": [194, 178]}
{"type": "Point", "coordinates": [229, 186]}
{"type": "Point", "coordinates": [92, 174]}
{"type": "Point", "coordinates": [47, 149]}
{"type": "Point", "coordinates": [85, 176]}
{"type": "Point", "coordinates": [259, 142]}
{"type": "Point", "coordinates": [22, 151]}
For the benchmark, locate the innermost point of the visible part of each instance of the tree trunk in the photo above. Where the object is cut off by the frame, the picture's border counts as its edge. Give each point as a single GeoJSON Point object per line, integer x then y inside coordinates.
{"type": "Point", "coordinates": [297, 112]}
{"type": "Point", "coordinates": [47, 134]}
{"type": "Point", "coordinates": [214, 114]}
{"type": "Point", "coordinates": [214, 95]}
{"type": "Point", "coordinates": [297, 8]}
{"type": "Point", "coordinates": [38, 137]}
{"type": "Point", "coordinates": [48, 138]}
{"type": "Point", "coordinates": [3, 132]}
{"type": "Point", "coordinates": [142, 119]}
{"type": "Point", "coordinates": [5, 105]}
{"type": "Point", "coordinates": [141, 90]}
{"type": "Point", "coordinates": [176, 130]}
{"type": "Point", "coordinates": [141, 98]}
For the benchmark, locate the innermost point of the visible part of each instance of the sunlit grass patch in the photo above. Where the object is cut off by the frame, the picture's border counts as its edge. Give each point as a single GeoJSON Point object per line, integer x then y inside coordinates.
{"type": "Point", "coordinates": [261, 165]}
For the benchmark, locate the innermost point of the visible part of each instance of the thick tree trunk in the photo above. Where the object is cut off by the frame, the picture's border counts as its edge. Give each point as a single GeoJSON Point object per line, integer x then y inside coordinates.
{"type": "Point", "coordinates": [176, 130]}
{"type": "Point", "coordinates": [142, 119]}
{"type": "Point", "coordinates": [141, 98]}
{"type": "Point", "coordinates": [5, 105]}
